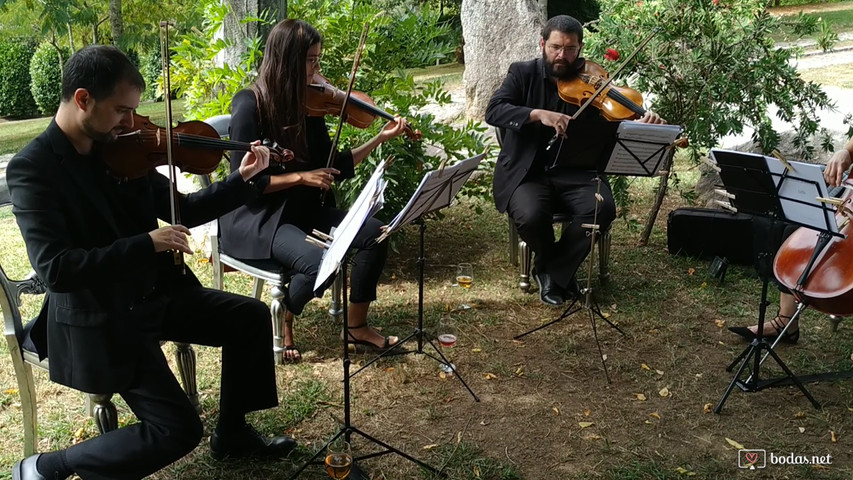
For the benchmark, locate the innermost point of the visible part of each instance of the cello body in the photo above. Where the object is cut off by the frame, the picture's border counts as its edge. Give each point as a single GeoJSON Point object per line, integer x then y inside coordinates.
{"type": "Point", "coordinates": [829, 286]}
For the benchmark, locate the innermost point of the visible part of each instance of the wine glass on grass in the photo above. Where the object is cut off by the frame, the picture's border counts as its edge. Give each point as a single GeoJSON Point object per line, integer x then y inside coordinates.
{"type": "Point", "coordinates": [338, 461]}
{"type": "Point", "coordinates": [465, 278]}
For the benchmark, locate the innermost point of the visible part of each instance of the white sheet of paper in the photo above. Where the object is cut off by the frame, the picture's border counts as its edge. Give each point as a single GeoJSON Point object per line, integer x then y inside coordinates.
{"type": "Point", "coordinates": [369, 202]}
{"type": "Point", "coordinates": [644, 140]}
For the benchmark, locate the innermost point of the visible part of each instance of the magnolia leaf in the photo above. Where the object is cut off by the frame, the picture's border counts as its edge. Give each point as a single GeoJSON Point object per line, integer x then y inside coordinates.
{"type": "Point", "coordinates": [734, 443]}
{"type": "Point", "coordinates": [640, 397]}
{"type": "Point", "coordinates": [585, 424]}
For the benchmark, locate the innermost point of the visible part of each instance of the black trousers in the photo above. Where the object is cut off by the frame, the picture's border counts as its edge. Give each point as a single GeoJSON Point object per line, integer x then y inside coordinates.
{"type": "Point", "coordinates": [290, 248]}
{"type": "Point", "coordinates": [532, 207]}
{"type": "Point", "coordinates": [169, 426]}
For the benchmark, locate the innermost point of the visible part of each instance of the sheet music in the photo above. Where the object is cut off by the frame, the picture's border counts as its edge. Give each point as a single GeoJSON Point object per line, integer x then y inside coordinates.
{"type": "Point", "coordinates": [647, 142]}
{"type": "Point", "coordinates": [369, 201]}
{"type": "Point", "coordinates": [436, 190]}
{"type": "Point", "coordinates": [799, 191]}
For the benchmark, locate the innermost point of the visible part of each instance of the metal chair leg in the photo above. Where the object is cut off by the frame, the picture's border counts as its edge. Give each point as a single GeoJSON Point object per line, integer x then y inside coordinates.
{"type": "Point", "coordinates": [604, 257]}
{"type": "Point", "coordinates": [335, 307]}
{"type": "Point", "coordinates": [104, 411]}
{"type": "Point", "coordinates": [278, 311]}
{"type": "Point", "coordinates": [186, 360]}
{"type": "Point", "coordinates": [525, 257]}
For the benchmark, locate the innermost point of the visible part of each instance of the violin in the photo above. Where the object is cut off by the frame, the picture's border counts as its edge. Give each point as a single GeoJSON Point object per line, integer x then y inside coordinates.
{"type": "Point", "coordinates": [325, 99]}
{"type": "Point", "coordinates": [827, 284]}
{"type": "Point", "coordinates": [196, 148]}
{"type": "Point", "coordinates": [615, 103]}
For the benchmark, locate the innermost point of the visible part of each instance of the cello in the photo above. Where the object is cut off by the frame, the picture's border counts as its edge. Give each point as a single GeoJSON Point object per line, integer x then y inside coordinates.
{"type": "Point", "coordinates": [818, 267]}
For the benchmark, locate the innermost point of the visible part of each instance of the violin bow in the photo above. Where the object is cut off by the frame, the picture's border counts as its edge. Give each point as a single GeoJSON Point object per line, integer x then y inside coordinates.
{"type": "Point", "coordinates": [333, 151]}
{"type": "Point", "coordinates": [167, 89]}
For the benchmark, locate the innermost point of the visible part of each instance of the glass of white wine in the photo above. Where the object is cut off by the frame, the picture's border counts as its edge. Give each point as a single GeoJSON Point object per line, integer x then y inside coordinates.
{"type": "Point", "coordinates": [338, 458]}
{"type": "Point", "coordinates": [465, 278]}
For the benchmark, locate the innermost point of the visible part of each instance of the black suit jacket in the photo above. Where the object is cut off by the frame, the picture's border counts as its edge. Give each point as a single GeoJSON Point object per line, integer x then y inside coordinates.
{"type": "Point", "coordinates": [103, 276]}
{"type": "Point", "coordinates": [523, 89]}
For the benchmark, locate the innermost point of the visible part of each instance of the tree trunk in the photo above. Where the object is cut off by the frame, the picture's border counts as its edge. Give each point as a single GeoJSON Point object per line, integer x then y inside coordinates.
{"type": "Point", "coordinates": [237, 32]}
{"type": "Point", "coordinates": [116, 22]}
{"type": "Point", "coordinates": [70, 38]}
{"type": "Point", "coordinates": [653, 213]}
{"type": "Point", "coordinates": [496, 33]}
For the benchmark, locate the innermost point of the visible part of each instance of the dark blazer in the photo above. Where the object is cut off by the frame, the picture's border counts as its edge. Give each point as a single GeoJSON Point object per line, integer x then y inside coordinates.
{"type": "Point", "coordinates": [523, 89]}
{"type": "Point", "coordinates": [103, 276]}
{"type": "Point", "coordinates": [248, 231]}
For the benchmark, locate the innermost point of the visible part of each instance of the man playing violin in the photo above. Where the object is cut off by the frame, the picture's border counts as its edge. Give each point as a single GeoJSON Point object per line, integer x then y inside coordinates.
{"type": "Point", "coordinates": [114, 291]}
{"type": "Point", "coordinates": [528, 111]}
{"type": "Point", "coordinates": [276, 224]}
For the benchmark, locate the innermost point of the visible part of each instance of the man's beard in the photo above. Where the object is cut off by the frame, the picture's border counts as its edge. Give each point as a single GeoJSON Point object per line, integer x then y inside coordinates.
{"type": "Point", "coordinates": [559, 69]}
{"type": "Point", "coordinates": [98, 136]}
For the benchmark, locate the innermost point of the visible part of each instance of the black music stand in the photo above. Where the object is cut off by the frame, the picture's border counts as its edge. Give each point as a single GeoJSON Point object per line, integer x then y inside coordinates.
{"type": "Point", "coordinates": [437, 190]}
{"type": "Point", "coordinates": [334, 259]}
{"type": "Point", "coordinates": [768, 187]}
{"type": "Point", "coordinates": [608, 148]}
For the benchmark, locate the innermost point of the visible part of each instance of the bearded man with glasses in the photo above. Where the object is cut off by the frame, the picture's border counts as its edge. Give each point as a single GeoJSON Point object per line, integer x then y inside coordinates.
{"type": "Point", "coordinates": [528, 111]}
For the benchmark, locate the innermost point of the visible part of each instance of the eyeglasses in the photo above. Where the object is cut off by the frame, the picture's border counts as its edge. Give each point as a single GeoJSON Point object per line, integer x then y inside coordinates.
{"type": "Point", "coordinates": [314, 61]}
{"type": "Point", "coordinates": [565, 49]}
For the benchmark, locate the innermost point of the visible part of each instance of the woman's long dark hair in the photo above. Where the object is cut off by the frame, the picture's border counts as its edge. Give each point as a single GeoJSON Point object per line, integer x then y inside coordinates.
{"type": "Point", "coordinates": [280, 88]}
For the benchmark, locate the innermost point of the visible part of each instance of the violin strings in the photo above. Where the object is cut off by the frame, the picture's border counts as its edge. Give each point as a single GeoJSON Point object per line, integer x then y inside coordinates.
{"type": "Point", "coordinates": [199, 141]}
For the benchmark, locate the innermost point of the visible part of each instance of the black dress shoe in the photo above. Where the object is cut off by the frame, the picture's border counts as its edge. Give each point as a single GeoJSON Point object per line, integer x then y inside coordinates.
{"type": "Point", "coordinates": [549, 292]}
{"type": "Point", "coordinates": [26, 469]}
{"type": "Point", "coordinates": [249, 443]}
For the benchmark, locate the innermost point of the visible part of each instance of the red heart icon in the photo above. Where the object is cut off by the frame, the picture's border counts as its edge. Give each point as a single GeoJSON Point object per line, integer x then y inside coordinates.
{"type": "Point", "coordinates": [751, 457]}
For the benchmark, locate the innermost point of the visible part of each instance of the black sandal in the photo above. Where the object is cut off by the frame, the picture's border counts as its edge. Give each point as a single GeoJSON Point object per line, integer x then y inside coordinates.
{"type": "Point", "coordinates": [788, 337]}
{"type": "Point", "coordinates": [370, 345]}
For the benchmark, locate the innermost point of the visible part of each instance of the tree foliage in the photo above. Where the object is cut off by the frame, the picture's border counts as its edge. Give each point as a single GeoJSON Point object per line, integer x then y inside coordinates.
{"type": "Point", "coordinates": [713, 68]}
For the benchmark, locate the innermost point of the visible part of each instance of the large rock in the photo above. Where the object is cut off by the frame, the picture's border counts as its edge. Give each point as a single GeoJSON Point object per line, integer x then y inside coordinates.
{"type": "Point", "coordinates": [497, 33]}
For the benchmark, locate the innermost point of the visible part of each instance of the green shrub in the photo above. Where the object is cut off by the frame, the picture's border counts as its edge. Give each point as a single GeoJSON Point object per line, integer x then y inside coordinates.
{"type": "Point", "coordinates": [16, 99]}
{"type": "Point", "coordinates": [151, 67]}
{"type": "Point", "coordinates": [46, 74]}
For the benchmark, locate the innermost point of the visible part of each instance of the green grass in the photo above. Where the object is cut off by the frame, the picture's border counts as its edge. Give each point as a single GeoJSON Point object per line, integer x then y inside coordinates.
{"type": "Point", "coordinates": [839, 20]}
{"type": "Point", "coordinates": [18, 134]}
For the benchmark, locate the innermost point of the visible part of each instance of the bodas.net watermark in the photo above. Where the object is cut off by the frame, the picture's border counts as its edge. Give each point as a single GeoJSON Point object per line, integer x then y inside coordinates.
{"type": "Point", "coordinates": [754, 458]}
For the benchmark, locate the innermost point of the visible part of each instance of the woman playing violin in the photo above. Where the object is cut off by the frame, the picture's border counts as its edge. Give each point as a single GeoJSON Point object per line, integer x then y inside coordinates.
{"type": "Point", "coordinates": [529, 109]}
{"type": "Point", "coordinates": [275, 225]}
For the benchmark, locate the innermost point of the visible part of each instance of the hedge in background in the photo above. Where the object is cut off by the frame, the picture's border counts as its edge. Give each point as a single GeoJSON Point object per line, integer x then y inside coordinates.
{"type": "Point", "coordinates": [16, 99]}
{"type": "Point", "coordinates": [46, 75]}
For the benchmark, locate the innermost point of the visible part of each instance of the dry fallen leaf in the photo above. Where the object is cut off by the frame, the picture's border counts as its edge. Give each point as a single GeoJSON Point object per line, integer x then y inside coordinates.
{"type": "Point", "coordinates": [706, 408]}
{"type": "Point", "coordinates": [832, 437]}
{"type": "Point", "coordinates": [645, 367]}
{"type": "Point", "coordinates": [430, 446]}
{"type": "Point", "coordinates": [11, 391]}
{"type": "Point", "coordinates": [664, 392]}
{"type": "Point", "coordinates": [691, 271]}
{"type": "Point", "coordinates": [585, 424]}
{"type": "Point", "coordinates": [556, 410]}
{"type": "Point", "coordinates": [489, 376]}
{"type": "Point", "coordinates": [442, 375]}
{"type": "Point", "coordinates": [476, 350]}
{"type": "Point", "coordinates": [389, 369]}
{"type": "Point", "coordinates": [519, 372]}
{"type": "Point", "coordinates": [592, 436]}
{"type": "Point", "coordinates": [477, 471]}
{"type": "Point", "coordinates": [655, 415]}
{"type": "Point", "coordinates": [605, 314]}
{"type": "Point", "coordinates": [640, 397]}
{"type": "Point", "coordinates": [659, 372]}
{"type": "Point", "coordinates": [801, 429]}
{"type": "Point", "coordinates": [800, 414]}
{"type": "Point", "coordinates": [734, 443]}
{"type": "Point", "coordinates": [587, 412]}
{"type": "Point", "coordinates": [720, 323]}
